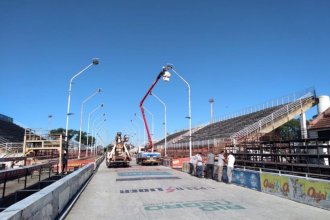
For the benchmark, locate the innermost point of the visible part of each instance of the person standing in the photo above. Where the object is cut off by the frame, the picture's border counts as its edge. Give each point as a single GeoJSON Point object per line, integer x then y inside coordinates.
{"type": "Point", "coordinates": [221, 162]}
{"type": "Point", "coordinates": [230, 166]}
{"type": "Point", "coordinates": [192, 165]}
{"type": "Point", "coordinates": [199, 167]}
{"type": "Point", "coordinates": [210, 165]}
{"type": "Point", "coordinates": [64, 163]}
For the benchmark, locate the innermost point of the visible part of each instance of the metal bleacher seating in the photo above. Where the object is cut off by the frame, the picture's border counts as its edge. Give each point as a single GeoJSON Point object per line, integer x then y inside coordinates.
{"type": "Point", "coordinates": [171, 137]}
{"type": "Point", "coordinates": [223, 129]}
{"type": "Point", "coordinates": [11, 131]}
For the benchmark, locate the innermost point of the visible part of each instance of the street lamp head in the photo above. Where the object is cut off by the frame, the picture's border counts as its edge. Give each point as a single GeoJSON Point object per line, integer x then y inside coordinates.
{"type": "Point", "coordinates": [168, 67]}
{"type": "Point", "coordinates": [96, 61]}
{"type": "Point", "coordinates": [211, 100]}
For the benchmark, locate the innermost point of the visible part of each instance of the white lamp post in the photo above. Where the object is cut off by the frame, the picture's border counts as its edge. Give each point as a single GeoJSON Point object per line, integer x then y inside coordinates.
{"type": "Point", "coordinates": [94, 62]}
{"type": "Point", "coordinates": [170, 67]}
{"type": "Point", "coordinates": [144, 131]}
{"type": "Point", "coordinates": [211, 101]}
{"type": "Point", "coordinates": [49, 123]}
{"type": "Point", "coordinates": [136, 128]}
{"type": "Point", "coordinates": [96, 131]}
{"type": "Point", "coordinates": [93, 128]}
{"type": "Point", "coordinates": [81, 117]}
{"type": "Point", "coordinates": [165, 123]}
{"type": "Point", "coordinates": [89, 117]}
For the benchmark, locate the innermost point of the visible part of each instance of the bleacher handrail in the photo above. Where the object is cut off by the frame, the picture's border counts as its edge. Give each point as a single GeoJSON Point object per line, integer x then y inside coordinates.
{"type": "Point", "coordinates": [283, 100]}
{"type": "Point", "coordinates": [275, 115]}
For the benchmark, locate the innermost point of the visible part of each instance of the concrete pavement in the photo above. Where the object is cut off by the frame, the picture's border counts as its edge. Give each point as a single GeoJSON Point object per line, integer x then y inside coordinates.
{"type": "Point", "coordinates": [157, 192]}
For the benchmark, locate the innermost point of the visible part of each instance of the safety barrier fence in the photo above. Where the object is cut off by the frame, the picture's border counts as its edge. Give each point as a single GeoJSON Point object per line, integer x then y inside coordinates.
{"type": "Point", "coordinates": [307, 190]}
{"type": "Point", "coordinates": [50, 202]}
{"type": "Point", "coordinates": [24, 172]}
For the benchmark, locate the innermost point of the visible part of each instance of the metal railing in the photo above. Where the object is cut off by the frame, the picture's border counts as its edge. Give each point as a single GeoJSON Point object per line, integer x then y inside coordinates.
{"type": "Point", "coordinates": [3, 141]}
{"type": "Point", "coordinates": [280, 113]}
{"type": "Point", "coordinates": [269, 104]}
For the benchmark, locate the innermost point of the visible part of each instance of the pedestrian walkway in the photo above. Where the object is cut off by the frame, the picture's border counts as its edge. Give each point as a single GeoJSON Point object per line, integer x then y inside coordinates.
{"type": "Point", "coordinates": [157, 192]}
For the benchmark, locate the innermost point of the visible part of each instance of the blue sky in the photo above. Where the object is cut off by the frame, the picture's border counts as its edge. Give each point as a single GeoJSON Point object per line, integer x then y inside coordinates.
{"type": "Point", "coordinates": [241, 53]}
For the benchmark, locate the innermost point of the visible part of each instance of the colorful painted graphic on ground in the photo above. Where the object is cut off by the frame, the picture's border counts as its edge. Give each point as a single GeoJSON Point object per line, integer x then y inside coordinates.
{"type": "Point", "coordinates": [169, 189]}
{"type": "Point", "coordinates": [247, 179]}
{"type": "Point", "coordinates": [203, 205]}
{"type": "Point", "coordinates": [275, 184]}
{"type": "Point", "coordinates": [143, 173]}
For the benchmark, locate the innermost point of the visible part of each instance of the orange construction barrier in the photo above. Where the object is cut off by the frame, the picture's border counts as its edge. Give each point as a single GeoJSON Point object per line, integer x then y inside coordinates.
{"type": "Point", "coordinates": [177, 163]}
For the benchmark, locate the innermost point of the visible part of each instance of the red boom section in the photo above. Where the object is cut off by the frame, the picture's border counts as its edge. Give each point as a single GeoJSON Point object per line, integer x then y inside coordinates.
{"type": "Point", "coordinates": [142, 110]}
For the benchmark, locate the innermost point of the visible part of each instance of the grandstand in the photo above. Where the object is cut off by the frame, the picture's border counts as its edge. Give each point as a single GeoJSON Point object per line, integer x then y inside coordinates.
{"type": "Point", "coordinates": [11, 132]}
{"type": "Point", "coordinates": [172, 137]}
{"type": "Point", "coordinates": [250, 125]}
{"type": "Point", "coordinates": [224, 129]}
{"type": "Point", "coordinates": [252, 139]}
{"type": "Point", "coordinates": [11, 141]}
{"type": "Point", "coordinates": [236, 129]}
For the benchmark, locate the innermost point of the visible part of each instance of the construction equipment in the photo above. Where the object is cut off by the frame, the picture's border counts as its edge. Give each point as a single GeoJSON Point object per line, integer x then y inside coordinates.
{"type": "Point", "coordinates": [148, 158]}
{"type": "Point", "coordinates": [117, 154]}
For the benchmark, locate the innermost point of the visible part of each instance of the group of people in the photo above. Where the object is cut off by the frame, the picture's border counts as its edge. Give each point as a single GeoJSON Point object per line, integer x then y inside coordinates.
{"type": "Point", "coordinates": [196, 166]}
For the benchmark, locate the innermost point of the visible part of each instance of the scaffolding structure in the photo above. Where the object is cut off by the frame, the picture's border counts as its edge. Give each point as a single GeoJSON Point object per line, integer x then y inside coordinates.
{"type": "Point", "coordinates": [301, 155]}
{"type": "Point", "coordinates": [44, 147]}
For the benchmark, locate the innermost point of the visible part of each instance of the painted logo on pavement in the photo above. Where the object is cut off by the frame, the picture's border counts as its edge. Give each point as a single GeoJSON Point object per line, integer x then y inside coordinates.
{"type": "Point", "coordinates": [203, 205]}
{"type": "Point", "coordinates": [165, 189]}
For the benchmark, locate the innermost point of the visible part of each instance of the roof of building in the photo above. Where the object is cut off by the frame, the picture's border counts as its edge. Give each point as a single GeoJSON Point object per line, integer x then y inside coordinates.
{"type": "Point", "coordinates": [322, 121]}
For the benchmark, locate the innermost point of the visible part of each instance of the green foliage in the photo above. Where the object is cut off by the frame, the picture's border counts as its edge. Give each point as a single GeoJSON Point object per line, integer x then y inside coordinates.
{"type": "Point", "coordinates": [289, 131]}
{"type": "Point", "coordinates": [74, 133]}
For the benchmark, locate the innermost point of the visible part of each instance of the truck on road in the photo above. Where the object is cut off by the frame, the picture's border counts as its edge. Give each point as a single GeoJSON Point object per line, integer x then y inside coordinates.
{"type": "Point", "coordinates": [148, 158]}
{"type": "Point", "coordinates": [117, 154]}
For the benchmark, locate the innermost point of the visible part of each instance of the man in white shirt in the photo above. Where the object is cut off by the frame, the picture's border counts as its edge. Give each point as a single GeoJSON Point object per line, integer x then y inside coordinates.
{"type": "Point", "coordinates": [199, 167]}
{"type": "Point", "coordinates": [192, 165]}
{"type": "Point", "coordinates": [210, 165]}
{"type": "Point", "coordinates": [230, 166]}
{"type": "Point", "coordinates": [221, 162]}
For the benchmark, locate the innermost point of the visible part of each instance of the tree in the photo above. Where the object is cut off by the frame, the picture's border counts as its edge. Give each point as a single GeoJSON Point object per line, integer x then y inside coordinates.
{"type": "Point", "coordinates": [289, 131]}
{"type": "Point", "coordinates": [74, 133]}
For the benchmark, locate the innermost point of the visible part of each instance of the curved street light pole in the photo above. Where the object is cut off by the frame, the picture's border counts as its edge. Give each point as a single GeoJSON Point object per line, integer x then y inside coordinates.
{"type": "Point", "coordinates": [144, 131]}
{"type": "Point", "coordinates": [89, 117]}
{"type": "Point", "coordinates": [189, 111]}
{"type": "Point", "coordinates": [211, 101]}
{"type": "Point", "coordinates": [81, 117]}
{"type": "Point", "coordinates": [96, 131]}
{"type": "Point", "coordinates": [94, 62]}
{"type": "Point", "coordinates": [137, 132]}
{"type": "Point", "coordinates": [93, 129]}
{"type": "Point", "coordinates": [165, 123]}
{"type": "Point", "coordinates": [49, 123]}
{"type": "Point", "coordinates": [100, 130]}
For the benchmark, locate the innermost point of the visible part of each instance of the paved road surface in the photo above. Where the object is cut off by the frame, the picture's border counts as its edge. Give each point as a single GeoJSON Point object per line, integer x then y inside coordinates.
{"type": "Point", "coordinates": [157, 192]}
